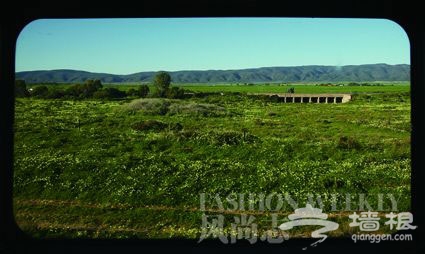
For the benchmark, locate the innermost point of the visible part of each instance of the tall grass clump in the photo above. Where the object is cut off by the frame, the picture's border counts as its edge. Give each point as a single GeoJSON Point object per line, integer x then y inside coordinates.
{"type": "Point", "coordinates": [199, 109]}
{"type": "Point", "coordinates": [153, 106]}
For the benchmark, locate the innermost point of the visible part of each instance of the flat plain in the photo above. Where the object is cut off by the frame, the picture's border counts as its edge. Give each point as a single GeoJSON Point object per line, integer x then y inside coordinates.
{"type": "Point", "coordinates": [135, 167]}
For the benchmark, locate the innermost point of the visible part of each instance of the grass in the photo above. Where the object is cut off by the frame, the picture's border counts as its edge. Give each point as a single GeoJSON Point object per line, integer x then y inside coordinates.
{"type": "Point", "coordinates": [299, 88]}
{"type": "Point", "coordinates": [124, 169]}
{"type": "Point", "coordinates": [268, 88]}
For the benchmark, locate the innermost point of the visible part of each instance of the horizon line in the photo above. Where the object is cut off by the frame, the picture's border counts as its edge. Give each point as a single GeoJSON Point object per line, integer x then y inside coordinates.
{"type": "Point", "coordinates": [249, 68]}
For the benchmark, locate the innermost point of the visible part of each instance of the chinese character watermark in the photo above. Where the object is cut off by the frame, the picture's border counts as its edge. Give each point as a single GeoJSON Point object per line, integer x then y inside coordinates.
{"type": "Point", "coordinates": [310, 216]}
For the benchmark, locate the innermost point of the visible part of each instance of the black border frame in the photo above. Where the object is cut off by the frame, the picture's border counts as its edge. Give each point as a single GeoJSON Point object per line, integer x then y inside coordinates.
{"type": "Point", "coordinates": [14, 18]}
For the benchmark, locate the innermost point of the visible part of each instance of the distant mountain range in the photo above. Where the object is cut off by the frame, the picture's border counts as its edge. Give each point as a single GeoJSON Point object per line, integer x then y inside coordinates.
{"type": "Point", "coordinates": [311, 73]}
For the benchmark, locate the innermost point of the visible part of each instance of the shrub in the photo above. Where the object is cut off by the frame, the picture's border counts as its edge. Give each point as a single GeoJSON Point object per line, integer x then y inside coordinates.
{"type": "Point", "coordinates": [156, 125]}
{"type": "Point", "coordinates": [115, 93]}
{"type": "Point", "coordinates": [143, 91]}
{"type": "Point", "coordinates": [228, 138]}
{"type": "Point", "coordinates": [91, 86]}
{"type": "Point", "coordinates": [150, 125]}
{"type": "Point", "coordinates": [39, 91]}
{"type": "Point", "coordinates": [233, 138]}
{"type": "Point", "coordinates": [102, 94]}
{"type": "Point", "coordinates": [158, 106]}
{"type": "Point", "coordinates": [131, 92]}
{"type": "Point", "coordinates": [152, 106]}
{"type": "Point", "coordinates": [109, 93]}
{"type": "Point", "coordinates": [353, 84]}
{"type": "Point", "coordinates": [74, 90]}
{"type": "Point", "coordinates": [274, 98]}
{"type": "Point", "coordinates": [86, 90]}
{"type": "Point", "coordinates": [201, 109]}
{"type": "Point", "coordinates": [162, 82]}
{"type": "Point", "coordinates": [21, 88]}
{"type": "Point", "coordinates": [55, 94]}
{"type": "Point", "coordinates": [175, 93]}
{"type": "Point", "coordinates": [345, 142]}
{"type": "Point", "coordinates": [176, 127]}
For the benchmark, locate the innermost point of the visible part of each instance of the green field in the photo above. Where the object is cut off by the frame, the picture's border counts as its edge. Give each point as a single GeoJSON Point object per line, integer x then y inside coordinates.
{"type": "Point", "coordinates": [270, 88]}
{"type": "Point", "coordinates": [136, 168]}
{"type": "Point", "coordinates": [299, 88]}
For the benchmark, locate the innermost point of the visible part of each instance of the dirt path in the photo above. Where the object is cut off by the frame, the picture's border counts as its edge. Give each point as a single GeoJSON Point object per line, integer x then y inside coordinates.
{"type": "Point", "coordinates": [76, 203]}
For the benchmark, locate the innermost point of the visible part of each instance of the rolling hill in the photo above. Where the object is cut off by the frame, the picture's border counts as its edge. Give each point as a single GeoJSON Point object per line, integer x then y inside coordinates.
{"type": "Point", "coordinates": [311, 73]}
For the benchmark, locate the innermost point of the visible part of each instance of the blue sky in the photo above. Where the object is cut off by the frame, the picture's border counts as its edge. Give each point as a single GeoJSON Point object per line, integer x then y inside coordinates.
{"type": "Point", "coordinates": [124, 46]}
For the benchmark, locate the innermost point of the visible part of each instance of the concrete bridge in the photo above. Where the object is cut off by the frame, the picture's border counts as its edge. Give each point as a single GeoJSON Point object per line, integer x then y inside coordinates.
{"type": "Point", "coordinates": [310, 98]}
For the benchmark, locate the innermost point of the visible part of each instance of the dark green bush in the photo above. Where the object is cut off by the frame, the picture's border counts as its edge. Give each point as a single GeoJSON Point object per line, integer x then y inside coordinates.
{"type": "Point", "coordinates": [150, 125]}
{"type": "Point", "coordinates": [21, 88]}
{"type": "Point", "coordinates": [233, 138]}
{"type": "Point", "coordinates": [345, 142]}
{"type": "Point", "coordinates": [175, 93]}
{"type": "Point", "coordinates": [131, 92]}
{"type": "Point", "coordinates": [109, 93]}
{"type": "Point", "coordinates": [55, 94]}
{"type": "Point", "coordinates": [39, 91]}
{"type": "Point", "coordinates": [142, 91]}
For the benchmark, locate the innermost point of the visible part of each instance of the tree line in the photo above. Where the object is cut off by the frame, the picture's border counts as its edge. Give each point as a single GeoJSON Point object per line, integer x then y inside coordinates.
{"type": "Point", "coordinates": [94, 89]}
